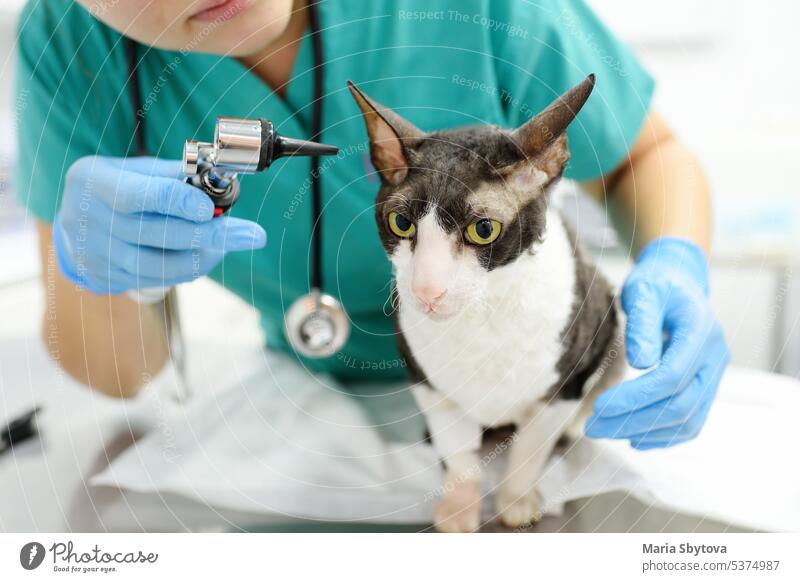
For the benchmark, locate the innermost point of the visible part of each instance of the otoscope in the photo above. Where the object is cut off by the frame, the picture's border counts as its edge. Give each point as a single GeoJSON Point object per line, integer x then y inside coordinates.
{"type": "Point", "coordinates": [240, 146]}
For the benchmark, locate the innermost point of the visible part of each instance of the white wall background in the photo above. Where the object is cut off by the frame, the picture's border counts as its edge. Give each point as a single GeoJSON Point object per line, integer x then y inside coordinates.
{"type": "Point", "coordinates": [727, 72]}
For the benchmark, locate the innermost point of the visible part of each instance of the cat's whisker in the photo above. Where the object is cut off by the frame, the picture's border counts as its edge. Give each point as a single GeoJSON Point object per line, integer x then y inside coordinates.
{"type": "Point", "coordinates": [382, 289]}
{"type": "Point", "coordinates": [393, 301]}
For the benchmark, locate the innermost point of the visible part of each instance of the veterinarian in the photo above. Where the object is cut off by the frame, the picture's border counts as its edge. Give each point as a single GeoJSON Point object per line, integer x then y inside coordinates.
{"type": "Point", "coordinates": [110, 221]}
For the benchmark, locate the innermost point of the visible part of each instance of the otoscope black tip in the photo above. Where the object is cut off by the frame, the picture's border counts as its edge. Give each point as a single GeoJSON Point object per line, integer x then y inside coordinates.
{"type": "Point", "coordinates": [287, 146]}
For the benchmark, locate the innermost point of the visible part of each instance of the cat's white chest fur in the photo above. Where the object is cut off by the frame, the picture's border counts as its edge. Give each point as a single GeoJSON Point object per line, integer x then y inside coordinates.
{"type": "Point", "coordinates": [495, 358]}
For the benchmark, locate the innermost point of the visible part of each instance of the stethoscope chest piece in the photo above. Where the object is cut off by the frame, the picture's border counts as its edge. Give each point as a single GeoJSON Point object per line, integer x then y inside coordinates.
{"type": "Point", "coordinates": [316, 325]}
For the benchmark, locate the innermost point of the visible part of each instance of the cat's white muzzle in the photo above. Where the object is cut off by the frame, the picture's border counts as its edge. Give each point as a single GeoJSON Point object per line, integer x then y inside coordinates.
{"type": "Point", "coordinates": [439, 278]}
{"type": "Point", "coordinates": [438, 306]}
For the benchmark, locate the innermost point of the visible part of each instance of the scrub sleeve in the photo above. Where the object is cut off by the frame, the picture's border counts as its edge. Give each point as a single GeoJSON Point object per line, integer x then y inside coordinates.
{"type": "Point", "coordinates": [565, 43]}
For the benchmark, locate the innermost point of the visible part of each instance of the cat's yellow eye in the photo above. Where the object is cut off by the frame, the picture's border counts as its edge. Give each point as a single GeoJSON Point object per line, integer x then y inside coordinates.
{"type": "Point", "coordinates": [483, 231]}
{"type": "Point", "coordinates": [401, 226]}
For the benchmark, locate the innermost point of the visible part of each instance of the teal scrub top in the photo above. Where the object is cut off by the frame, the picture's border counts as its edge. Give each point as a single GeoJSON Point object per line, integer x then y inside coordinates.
{"type": "Point", "coordinates": [441, 64]}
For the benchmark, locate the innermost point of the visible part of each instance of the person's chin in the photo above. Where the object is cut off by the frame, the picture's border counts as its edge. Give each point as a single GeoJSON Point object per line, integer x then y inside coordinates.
{"type": "Point", "coordinates": [233, 45]}
{"type": "Point", "coordinates": [246, 36]}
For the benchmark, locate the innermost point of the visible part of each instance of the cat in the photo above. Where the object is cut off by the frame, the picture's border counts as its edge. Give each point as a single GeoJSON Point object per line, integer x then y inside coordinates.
{"type": "Point", "coordinates": [501, 316]}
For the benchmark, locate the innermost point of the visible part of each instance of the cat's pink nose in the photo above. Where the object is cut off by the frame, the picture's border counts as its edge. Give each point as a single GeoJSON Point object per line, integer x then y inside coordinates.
{"type": "Point", "coordinates": [429, 295]}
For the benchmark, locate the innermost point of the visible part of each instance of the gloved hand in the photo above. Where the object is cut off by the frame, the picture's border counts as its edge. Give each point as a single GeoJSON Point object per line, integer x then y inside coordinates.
{"type": "Point", "coordinates": [670, 324]}
{"type": "Point", "coordinates": [134, 223]}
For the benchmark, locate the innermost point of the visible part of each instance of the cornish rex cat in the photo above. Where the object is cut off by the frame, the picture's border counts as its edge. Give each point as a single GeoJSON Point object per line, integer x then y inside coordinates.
{"type": "Point", "coordinates": [501, 316]}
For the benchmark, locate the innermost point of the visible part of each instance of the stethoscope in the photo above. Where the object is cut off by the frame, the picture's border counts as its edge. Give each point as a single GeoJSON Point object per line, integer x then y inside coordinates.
{"type": "Point", "coordinates": [316, 324]}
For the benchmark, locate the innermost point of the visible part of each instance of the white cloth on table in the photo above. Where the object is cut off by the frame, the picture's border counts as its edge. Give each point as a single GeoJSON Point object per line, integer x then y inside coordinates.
{"type": "Point", "coordinates": [280, 441]}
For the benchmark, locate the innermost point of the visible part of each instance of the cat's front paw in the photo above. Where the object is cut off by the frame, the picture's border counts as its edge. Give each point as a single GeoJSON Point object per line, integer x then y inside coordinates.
{"type": "Point", "coordinates": [519, 510]}
{"type": "Point", "coordinates": [460, 510]}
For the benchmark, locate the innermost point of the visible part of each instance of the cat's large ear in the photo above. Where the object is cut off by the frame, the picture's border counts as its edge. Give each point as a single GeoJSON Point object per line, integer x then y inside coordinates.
{"type": "Point", "coordinates": [543, 139]}
{"type": "Point", "coordinates": [389, 137]}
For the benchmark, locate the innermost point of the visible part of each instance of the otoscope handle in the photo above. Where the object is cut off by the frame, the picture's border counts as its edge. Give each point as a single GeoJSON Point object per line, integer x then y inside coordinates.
{"type": "Point", "coordinates": [223, 197]}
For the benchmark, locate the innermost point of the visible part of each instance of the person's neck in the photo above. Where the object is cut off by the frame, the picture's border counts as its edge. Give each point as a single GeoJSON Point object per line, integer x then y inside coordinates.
{"type": "Point", "coordinates": [275, 62]}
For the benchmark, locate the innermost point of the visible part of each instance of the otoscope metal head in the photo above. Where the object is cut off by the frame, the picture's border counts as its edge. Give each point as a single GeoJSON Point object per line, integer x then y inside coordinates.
{"type": "Point", "coordinates": [247, 146]}
{"type": "Point", "coordinates": [192, 156]}
{"type": "Point", "coordinates": [240, 146]}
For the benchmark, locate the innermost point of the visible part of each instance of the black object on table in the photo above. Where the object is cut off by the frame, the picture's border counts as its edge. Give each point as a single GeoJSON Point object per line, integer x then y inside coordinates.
{"type": "Point", "coordinates": [18, 430]}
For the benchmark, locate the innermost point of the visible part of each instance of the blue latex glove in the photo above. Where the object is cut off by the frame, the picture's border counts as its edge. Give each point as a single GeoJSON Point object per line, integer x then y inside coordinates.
{"type": "Point", "coordinates": [134, 223]}
{"type": "Point", "coordinates": [671, 325]}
